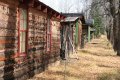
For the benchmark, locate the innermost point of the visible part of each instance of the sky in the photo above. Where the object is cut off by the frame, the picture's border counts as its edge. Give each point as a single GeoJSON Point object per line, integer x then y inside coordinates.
{"type": "Point", "coordinates": [66, 5]}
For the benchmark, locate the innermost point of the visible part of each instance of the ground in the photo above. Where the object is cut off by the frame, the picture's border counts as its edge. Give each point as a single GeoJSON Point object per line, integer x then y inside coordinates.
{"type": "Point", "coordinates": [97, 61]}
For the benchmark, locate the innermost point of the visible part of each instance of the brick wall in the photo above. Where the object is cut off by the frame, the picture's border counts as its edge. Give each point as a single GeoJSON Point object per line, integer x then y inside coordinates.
{"type": "Point", "coordinates": [55, 45]}
{"type": "Point", "coordinates": [8, 38]}
{"type": "Point", "coordinates": [14, 66]}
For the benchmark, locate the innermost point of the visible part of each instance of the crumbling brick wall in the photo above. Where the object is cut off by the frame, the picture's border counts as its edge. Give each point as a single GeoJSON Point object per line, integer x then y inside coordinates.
{"type": "Point", "coordinates": [8, 39]}
{"type": "Point", "coordinates": [55, 40]}
{"type": "Point", "coordinates": [14, 65]}
{"type": "Point", "coordinates": [37, 25]}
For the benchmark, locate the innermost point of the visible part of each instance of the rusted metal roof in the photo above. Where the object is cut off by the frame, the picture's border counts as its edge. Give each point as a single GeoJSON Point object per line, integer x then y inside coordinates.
{"type": "Point", "coordinates": [73, 14]}
{"type": "Point", "coordinates": [80, 15]}
{"type": "Point", "coordinates": [70, 19]}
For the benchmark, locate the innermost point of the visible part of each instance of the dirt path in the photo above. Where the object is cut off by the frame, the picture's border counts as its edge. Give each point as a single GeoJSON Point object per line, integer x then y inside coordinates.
{"type": "Point", "coordinates": [96, 62]}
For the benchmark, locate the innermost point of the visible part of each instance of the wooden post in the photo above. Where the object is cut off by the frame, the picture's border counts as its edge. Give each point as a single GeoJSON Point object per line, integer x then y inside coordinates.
{"type": "Point", "coordinates": [76, 35]}
{"type": "Point", "coordinates": [89, 34]}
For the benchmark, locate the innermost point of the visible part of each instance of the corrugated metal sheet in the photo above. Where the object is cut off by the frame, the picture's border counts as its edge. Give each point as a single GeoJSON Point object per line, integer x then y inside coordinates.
{"type": "Point", "coordinates": [90, 22]}
{"type": "Point", "coordinates": [80, 15]}
{"type": "Point", "coordinates": [70, 19]}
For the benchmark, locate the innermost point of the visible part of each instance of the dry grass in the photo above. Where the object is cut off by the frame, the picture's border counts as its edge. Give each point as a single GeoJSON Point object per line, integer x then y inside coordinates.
{"type": "Point", "coordinates": [97, 61]}
{"type": "Point", "coordinates": [109, 76]}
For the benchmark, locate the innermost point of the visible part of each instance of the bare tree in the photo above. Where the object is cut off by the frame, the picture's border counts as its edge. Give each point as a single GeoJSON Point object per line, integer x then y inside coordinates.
{"type": "Point", "coordinates": [109, 11]}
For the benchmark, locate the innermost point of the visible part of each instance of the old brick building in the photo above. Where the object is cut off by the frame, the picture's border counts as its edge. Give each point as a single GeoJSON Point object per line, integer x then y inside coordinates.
{"type": "Point", "coordinates": [29, 38]}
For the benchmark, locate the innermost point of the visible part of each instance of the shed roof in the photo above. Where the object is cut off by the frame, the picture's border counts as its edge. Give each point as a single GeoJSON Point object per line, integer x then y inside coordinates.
{"type": "Point", "coordinates": [73, 14]}
{"type": "Point", "coordinates": [70, 19]}
{"type": "Point", "coordinates": [80, 15]}
{"type": "Point", "coordinates": [90, 22]}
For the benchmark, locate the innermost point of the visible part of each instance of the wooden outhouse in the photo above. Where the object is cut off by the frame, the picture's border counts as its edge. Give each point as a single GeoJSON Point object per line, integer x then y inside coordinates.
{"type": "Point", "coordinates": [29, 38]}
{"type": "Point", "coordinates": [91, 30]}
{"type": "Point", "coordinates": [88, 32]}
{"type": "Point", "coordinates": [71, 31]}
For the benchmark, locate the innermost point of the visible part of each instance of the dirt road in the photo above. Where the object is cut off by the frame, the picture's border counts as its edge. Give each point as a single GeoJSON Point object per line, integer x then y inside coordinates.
{"type": "Point", "coordinates": [97, 61]}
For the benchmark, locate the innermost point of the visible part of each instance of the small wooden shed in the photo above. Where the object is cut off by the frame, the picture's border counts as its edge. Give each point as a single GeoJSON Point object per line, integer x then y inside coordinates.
{"type": "Point", "coordinates": [71, 31]}
{"type": "Point", "coordinates": [88, 32]}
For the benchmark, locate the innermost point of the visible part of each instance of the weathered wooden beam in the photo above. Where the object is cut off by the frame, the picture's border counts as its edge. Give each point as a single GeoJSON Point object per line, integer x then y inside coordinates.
{"type": "Point", "coordinates": [45, 10]}
{"type": "Point", "coordinates": [54, 14]}
{"type": "Point", "coordinates": [39, 7]}
{"type": "Point", "coordinates": [58, 16]}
